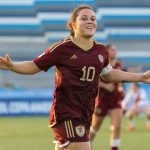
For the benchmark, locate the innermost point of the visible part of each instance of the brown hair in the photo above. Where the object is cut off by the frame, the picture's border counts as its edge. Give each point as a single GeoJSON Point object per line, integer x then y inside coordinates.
{"type": "Point", "coordinates": [74, 15]}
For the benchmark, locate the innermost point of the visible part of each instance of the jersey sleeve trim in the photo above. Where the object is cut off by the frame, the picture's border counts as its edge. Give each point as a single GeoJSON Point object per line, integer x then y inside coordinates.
{"type": "Point", "coordinates": [55, 45]}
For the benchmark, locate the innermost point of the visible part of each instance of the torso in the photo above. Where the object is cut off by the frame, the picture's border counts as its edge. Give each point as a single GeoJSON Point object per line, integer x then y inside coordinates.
{"type": "Point", "coordinates": [76, 80]}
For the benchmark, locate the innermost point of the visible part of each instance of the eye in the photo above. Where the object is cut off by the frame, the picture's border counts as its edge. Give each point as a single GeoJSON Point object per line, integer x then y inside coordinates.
{"type": "Point", "coordinates": [84, 18]}
{"type": "Point", "coordinates": [93, 19]}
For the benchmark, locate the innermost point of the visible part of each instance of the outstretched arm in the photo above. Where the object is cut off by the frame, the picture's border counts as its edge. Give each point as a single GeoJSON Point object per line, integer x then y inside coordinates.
{"type": "Point", "coordinates": [116, 75]}
{"type": "Point", "coordinates": [26, 67]}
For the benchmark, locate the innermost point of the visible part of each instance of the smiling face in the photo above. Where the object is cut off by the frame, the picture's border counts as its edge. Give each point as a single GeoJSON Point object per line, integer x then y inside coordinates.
{"type": "Point", "coordinates": [85, 23]}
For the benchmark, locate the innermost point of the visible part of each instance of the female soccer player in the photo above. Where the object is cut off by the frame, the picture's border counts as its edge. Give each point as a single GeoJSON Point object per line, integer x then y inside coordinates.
{"type": "Point", "coordinates": [78, 61]}
{"type": "Point", "coordinates": [109, 101]}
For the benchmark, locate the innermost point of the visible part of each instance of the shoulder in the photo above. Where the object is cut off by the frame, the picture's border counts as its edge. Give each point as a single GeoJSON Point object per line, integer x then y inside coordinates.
{"type": "Point", "coordinates": [58, 45]}
{"type": "Point", "coordinates": [100, 45]}
{"type": "Point", "coordinates": [101, 49]}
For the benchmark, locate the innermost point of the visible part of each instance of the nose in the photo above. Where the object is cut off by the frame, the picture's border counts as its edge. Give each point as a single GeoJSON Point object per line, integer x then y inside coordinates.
{"type": "Point", "coordinates": [90, 21]}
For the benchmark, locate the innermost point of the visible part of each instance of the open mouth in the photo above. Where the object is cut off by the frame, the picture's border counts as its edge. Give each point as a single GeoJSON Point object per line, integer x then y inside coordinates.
{"type": "Point", "coordinates": [89, 27]}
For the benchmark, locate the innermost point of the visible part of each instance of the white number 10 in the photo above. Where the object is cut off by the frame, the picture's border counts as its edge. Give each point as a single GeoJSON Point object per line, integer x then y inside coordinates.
{"type": "Point", "coordinates": [87, 72]}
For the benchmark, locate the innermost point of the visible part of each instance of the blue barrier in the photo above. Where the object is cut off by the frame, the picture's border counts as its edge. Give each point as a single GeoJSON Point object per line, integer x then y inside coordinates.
{"type": "Point", "coordinates": [25, 102]}
{"type": "Point", "coordinates": [32, 102]}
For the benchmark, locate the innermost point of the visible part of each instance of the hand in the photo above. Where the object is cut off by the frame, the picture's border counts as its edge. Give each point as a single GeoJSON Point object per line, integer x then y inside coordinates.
{"type": "Point", "coordinates": [146, 77]}
{"type": "Point", "coordinates": [6, 63]}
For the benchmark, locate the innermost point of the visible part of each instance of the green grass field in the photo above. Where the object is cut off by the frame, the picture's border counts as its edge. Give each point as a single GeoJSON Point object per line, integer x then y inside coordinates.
{"type": "Point", "coordinates": [32, 133]}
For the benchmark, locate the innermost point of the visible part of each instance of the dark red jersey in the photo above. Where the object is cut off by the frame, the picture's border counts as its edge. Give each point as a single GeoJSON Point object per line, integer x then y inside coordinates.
{"type": "Point", "coordinates": [76, 78]}
{"type": "Point", "coordinates": [118, 92]}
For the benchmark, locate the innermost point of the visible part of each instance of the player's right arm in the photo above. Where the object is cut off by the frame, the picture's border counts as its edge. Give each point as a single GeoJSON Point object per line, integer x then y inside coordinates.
{"type": "Point", "coordinates": [25, 67]}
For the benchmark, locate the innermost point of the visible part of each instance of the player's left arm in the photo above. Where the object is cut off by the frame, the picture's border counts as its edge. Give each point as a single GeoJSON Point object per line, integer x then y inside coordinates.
{"type": "Point", "coordinates": [116, 75]}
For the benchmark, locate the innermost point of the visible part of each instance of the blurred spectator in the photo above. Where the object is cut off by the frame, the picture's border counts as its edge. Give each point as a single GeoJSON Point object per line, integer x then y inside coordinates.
{"type": "Point", "coordinates": [109, 101]}
{"type": "Point", "coordinates": [134, 103]}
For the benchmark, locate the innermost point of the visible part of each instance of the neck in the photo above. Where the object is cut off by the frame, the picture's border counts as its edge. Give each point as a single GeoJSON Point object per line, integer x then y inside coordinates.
{"type": "Point", "coordinates": [84, 43]}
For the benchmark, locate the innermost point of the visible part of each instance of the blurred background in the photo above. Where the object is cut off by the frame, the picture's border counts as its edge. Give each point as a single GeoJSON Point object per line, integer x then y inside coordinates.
{"type": "Point", "coordinates": [28, 27]}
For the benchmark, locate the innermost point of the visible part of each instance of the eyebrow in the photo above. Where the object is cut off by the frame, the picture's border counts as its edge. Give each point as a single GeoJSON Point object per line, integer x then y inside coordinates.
{"type": "Point", "coordinates": [86, 16]}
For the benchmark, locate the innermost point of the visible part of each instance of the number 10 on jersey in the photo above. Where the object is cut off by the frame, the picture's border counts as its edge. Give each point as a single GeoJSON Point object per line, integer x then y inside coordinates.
{"type": "Point", "coordinates": [88, 73]}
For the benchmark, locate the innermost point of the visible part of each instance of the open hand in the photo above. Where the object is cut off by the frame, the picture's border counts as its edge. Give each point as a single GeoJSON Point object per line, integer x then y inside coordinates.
{"type": "Point", "coordinates": [5, 62]}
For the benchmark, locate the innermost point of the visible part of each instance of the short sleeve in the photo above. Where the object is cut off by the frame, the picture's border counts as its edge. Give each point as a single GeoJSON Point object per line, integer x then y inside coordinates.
{"type": "Point", "coordinates": [49, 58]}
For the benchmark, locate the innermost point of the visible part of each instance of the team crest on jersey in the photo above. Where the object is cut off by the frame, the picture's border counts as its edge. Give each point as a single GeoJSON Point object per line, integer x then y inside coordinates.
{"type": "Point", "coordinates": [74, 56]}
{"type": "Point", "coordinates": [101, 58]}
{"type": "Point", "coordinates": [80, 130]}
